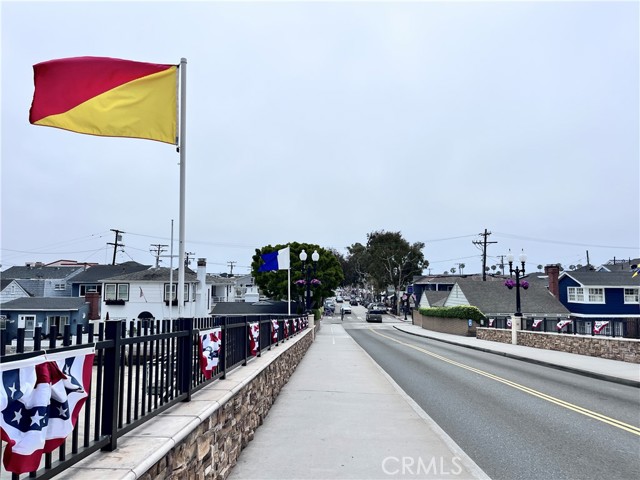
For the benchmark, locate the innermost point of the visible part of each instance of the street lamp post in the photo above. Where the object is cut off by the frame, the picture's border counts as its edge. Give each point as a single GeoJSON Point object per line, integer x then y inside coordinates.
{"type": "Point", "coordinates": [306, 271]}
{"type": "Point", "coordinates": [516, 322]}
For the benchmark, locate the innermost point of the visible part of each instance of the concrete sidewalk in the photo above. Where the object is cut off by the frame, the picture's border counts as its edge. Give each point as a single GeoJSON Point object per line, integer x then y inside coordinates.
{"type": "Point", "coordinates": [342, 417]}
{"type": "Point", "coordinates": [625, 373]}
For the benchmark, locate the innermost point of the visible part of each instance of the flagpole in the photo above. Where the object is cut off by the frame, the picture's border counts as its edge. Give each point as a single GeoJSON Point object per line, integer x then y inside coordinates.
{"type": "Point", "coordinates": [289, 290]}
{"type": "Point", "coordinates": [171, 274]}
{"type": "Point", "coordinates": [183, 158]}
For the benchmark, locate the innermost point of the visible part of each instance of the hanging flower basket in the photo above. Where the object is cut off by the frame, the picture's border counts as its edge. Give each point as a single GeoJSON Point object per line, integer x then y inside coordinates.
{"type": "Point", "coordinates": [300, 283]}
{"type": "Point", "coordinates": [524, 284]}
{"type": "Point", "coordinates": [509, 283]}
{"type": "Point", "coordinates": [315, 282]}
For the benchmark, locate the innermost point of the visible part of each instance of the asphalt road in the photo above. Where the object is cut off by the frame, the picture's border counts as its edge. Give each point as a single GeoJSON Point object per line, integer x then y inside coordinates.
{"type": "Point", "coordinates": [516, 420]}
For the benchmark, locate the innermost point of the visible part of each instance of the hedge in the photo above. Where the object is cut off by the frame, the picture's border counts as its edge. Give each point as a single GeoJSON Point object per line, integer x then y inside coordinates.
{"type": "Point", "coordinates": [461, 311]}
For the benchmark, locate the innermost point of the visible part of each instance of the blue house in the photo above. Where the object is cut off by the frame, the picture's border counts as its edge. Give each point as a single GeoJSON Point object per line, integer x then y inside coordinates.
{"type": "Point", "coordinates": [31, 312]}
{"type": "Point", "coordinates": [602, 296]}
{"type": "Point", "coordinates": [43, 280]}
{"type": "Point", "coordinates": [89, 281]}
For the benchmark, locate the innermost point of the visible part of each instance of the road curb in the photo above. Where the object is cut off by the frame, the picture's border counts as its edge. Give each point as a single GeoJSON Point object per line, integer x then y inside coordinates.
{"type": "Point", "coordinates": [599, 376]}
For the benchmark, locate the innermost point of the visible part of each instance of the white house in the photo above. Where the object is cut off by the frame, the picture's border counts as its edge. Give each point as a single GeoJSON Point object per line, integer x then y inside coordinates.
{"type": "Point", "coordinates": [147, 294]}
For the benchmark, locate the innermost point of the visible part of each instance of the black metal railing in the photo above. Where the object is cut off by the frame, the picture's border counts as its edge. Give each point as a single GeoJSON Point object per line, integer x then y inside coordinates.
{"type": "Point", "coordinates": [140, 369]}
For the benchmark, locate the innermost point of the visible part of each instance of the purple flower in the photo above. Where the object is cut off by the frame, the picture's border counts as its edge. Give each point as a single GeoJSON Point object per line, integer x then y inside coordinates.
{"type": "Point", "coordinates": [300, 282]}
{"type": "Point", "coordinates": [524, 284]}
{"type": "Point", "coordinates": [509, 283]}
{"type": "Point", "coordinates": [316, 282]}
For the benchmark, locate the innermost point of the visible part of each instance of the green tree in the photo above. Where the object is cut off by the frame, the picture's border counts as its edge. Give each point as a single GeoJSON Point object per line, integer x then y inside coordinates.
{"type": "Point", "coordinates": [392, 260]}
{"type": "Point", "coordinates": [357, 265]}
{"type": "Point", "coordinates": [274, 284]}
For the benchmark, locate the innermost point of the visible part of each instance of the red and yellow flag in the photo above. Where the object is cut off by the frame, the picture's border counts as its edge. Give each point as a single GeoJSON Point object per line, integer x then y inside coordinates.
{"type": "Point", "coordinates": [108, 97]}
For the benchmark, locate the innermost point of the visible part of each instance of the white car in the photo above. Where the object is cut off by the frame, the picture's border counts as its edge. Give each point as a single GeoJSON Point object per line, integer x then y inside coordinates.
{"type": "Point", "coordinates": [345, 308]}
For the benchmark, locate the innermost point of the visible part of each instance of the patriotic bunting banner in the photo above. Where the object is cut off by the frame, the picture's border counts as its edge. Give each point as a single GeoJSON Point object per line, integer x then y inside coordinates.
{"type": "Point", "coordinates": [562, 324]}
{"type": "Point", "coordinates": [254, 338]}
{"type": "Point", "coordinates": [508, 323]}
{"type": "Point", "coordinates": [210, 343]}
{"type": "Point", "coordinates": [274, 331]}
{"type": "Point", "coordinates": [286, 329]}
{"type": "Point", "coordinates": [491, 321]}
{"type": "Point", "coordinates": [536, 323]}
{"type": "Point", "coordinates": [40, 401]}
{"type": "Point", "coordinates": [599, 326]}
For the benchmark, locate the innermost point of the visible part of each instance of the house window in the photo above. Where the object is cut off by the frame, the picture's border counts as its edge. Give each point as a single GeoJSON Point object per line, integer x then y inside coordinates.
{"type": "Point", "coordinates": [631, 295]}
{"type": "Point", "coordinates": [596, 295]}
{"type": "Point", "coordinates": [84, 289]}
{"type": "Point", "coordinates": [116, 291]}
{"type": "Point", "coordinates": [59, 321]}
{"type": "Point", "coordinates": [60, 286]}
{"type": "Point", "coordinates": [172, 293]}
{"type": "Point", "coordinates": [575, 294]}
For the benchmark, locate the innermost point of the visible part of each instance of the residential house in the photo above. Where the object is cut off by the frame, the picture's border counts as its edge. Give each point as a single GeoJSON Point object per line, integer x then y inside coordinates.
{"type": "Point", "coordinates": [498, 303]}
{"type": "Point", "coordinates": [619, 265]}
{"type": "Point", "coordinates": [10, 289]}
{"type": "Point", "coordinates": [44, 281]}
{"type": "Point", "coordinates": [432, 298]}
{"type": "Point", "coordinates": [434, 283]}
{"type": "Point", "coordinates": [151, 293]}
{"type": "Point", "coordinates": [602, 296]}
{"type": "Point", "coordinates": [89, 281]}
{"type": "Point", "coordinates": [31, 312]}
{"type": "Point", "coordinates": [223, 288]}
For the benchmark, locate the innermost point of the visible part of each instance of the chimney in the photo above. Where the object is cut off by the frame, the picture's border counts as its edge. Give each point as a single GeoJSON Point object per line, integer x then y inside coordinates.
{"type": "Point", "coordinates": [93, 299]}
{"type": "Point", "coordinates": [201, 292]}
{"type": "Point", "coordinates": [553, 272]}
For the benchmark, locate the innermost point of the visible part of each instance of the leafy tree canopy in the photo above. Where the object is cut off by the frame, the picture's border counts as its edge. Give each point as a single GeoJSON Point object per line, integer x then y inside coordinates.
{"type": "Point", "coordinates": [274, 284]}
{"type": "Point", "coordinates": [386, 259]}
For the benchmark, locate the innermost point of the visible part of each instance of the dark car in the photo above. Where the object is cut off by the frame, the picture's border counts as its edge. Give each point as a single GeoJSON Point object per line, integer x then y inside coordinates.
{"type": "Point", "coordinates": [353, 302]}
{"type": "Point", "coordinates": [375, 312]}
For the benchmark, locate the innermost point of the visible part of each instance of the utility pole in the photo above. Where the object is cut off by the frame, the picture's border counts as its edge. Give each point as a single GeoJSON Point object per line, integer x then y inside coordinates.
{"type": "Point", "coordinates": [484, 253]}
{"type": "Point", "coordinates": [231, 264]}
{"type": "Point", "coordinates": [159, 250]}
{"type": "Point", "coordinates": [187, 260]}
{"type": "Point", "coordinates": [116, 244]}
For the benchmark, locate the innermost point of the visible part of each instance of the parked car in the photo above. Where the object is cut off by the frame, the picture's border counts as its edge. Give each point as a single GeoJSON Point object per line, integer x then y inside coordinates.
{"type": "Point", "coordinates": [353, 302]}
{"type": "Point", "coordinates": [338, 299]}
{"type": "Point", "coordinates": [345, 308]}
{"type": "Point", "coordinates": [375, 312]}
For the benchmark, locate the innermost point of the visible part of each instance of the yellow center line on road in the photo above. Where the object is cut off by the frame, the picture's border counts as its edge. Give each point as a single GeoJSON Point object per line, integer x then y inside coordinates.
{"type": "Point", "coordinates": [589, 413]}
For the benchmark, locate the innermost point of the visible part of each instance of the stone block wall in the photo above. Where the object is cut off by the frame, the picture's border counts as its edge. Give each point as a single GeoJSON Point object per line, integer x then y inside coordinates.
{"type": "Point", "coordinates": [623, 349]}
{"type": "Point", "coordinates": [212, 449]}
{"type": "Point", "coordinates": [455, 326]}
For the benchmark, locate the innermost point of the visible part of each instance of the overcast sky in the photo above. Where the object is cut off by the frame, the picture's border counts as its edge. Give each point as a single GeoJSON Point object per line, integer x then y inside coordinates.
{"type": "Point", "coordinates": [321, 122]}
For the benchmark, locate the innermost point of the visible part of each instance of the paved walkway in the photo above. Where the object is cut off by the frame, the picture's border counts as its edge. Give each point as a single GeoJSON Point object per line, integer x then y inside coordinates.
{"type": "Point", "coordinates": [342, 417]}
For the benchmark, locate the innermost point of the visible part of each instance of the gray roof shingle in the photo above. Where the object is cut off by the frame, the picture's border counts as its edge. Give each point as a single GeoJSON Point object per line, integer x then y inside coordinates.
{"type": "Point", "coordinates": [605, 279]}
{"type": "Point", "coordinates": [493, 298]}
{"type": "Point", "coordinates": [100, 272]}
{"type": "Point", "coordinates": [44, 303]}
{"type": "Point", "coordinates": [160, 274]}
